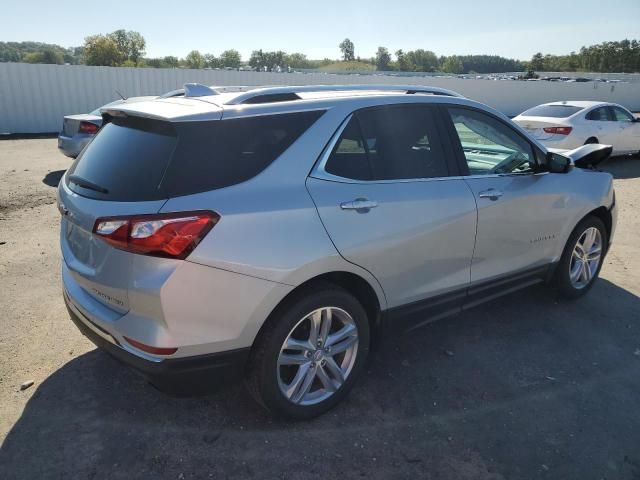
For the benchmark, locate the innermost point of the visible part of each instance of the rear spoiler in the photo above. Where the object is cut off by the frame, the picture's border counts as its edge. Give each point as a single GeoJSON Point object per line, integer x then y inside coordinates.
{"type": "Point", "coordinates": [586, 156]}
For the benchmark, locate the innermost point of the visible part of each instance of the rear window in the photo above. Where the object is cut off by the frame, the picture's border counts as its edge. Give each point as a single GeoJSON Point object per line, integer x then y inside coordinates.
{"type": "Point", "coordinates": [135, 159]}
{"type": "Point", "coordinates": [556, 111]}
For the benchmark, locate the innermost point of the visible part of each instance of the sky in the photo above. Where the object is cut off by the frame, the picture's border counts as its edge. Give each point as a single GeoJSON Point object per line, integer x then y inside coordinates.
{"type": "Point", "coordinates": [511, 28]}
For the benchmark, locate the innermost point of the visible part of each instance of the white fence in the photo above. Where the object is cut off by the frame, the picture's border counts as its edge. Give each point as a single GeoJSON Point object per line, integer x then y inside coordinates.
{"type": "Point", "coordinates": [34, 98]}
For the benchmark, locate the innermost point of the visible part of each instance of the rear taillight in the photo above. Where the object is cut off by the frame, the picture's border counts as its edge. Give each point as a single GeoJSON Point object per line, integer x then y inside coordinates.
{"type": "Point", "coordinates": [88, 128]}
{"type": "Point", "coordinates": [172, 235]}
{"type": "Point", "coordinates": [558, 130]}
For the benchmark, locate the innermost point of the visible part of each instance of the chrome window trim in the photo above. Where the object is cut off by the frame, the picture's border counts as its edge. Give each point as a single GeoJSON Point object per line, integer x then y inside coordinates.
{"type": "Point", "coordinates": [319, 172]}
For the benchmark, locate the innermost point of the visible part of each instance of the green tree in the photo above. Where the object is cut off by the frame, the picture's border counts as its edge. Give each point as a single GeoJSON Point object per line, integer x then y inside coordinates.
{"type": "Point", "coordinates": [452, 64]}
{"type": "Point", "coordinates": [267, 60]}
{"type": "Point", "coordinates": [211, 61]}
{"type": "Point", "coordinates": [383, 59]}
{"type": "Point", "coordinates": [48, 55]}
{"type": "Point", "coordinates": [171, 62]}
{"type": "Point", "coordinates": [194, 59]}
{"type": "Point", "coordinates": [131, 45]}
{"type": "Point", "coordinates": [230, 58]}
{"type": "Point", "coordinates": [421, 61]}
{"type": "Point", "coordinates": [101, 50]}
{"type": "Point", "coordinates": [537, 62]}
{"type": "Point", "coordinates": [401, 61]}
{"type": "Point", "coordinates": [348, 50]}
{"type": "Point", "coordinates": [297, 60]}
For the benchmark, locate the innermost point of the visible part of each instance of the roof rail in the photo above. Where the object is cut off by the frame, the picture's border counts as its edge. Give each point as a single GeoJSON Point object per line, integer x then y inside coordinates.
{"type": "Point", "coordinates": [260, 94]}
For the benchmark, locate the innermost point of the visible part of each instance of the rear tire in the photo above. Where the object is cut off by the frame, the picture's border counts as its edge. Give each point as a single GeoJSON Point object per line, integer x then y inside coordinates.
{"type": "Point", "coordinates": [328, 332]}
{"type": "Point", "coordinates": [591, 140]}
{"type": "Point", "coordinates": [582, 258]}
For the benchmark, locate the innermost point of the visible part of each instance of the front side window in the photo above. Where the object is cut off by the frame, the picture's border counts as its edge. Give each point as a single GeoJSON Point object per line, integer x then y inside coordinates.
{"type": "Point", "coordinates": [389, 143]}
{"type": "Point", "coordinates": [600, 114]}
{"type": "Point", "coordinates": [490, 146]}
{"type": "Point", "coordinates": [621, 115]}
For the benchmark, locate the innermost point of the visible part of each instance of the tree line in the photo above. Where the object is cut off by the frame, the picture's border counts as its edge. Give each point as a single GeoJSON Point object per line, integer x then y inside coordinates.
{"type": "Point", "coordinates": [623, 56]}
{"type": "Point", "coordinates": [128, 48]}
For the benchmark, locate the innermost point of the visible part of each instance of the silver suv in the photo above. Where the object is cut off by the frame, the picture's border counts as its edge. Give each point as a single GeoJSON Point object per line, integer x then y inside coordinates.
{"type": "Point", "coordinates": [269, 234]}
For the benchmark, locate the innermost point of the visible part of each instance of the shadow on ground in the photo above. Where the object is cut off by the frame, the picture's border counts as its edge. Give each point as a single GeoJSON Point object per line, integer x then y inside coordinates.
{"type": "Point", "coordinates": [524, 387]}
{"type": "Point", "coordinates": [623, 167]}
{"type": "Point", "coordinates": [52, 179]}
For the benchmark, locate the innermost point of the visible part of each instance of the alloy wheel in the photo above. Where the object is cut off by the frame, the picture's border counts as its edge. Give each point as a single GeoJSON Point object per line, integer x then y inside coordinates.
{"type": "Point", "coordinates": [585, 258]}
{"type": "Point", "coordinates": [317, 356]}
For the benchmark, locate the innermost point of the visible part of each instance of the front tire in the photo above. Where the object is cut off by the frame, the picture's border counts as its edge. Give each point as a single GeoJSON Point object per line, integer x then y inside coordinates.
{"type": "Point", "coordinates": [582, 258]}
{"type": "Point", "coordinates": [310, 353]}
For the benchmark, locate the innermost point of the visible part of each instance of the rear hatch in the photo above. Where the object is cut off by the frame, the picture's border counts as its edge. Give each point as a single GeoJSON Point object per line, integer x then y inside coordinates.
{"type": "Point", "coordinates": [135, 164]}
{"type": "Point", "coordinates": [119, 173]}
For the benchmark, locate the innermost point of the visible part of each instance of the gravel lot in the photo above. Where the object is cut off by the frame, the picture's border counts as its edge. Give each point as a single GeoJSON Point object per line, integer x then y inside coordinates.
{"type": "Point", "coordinates": [523, 387]}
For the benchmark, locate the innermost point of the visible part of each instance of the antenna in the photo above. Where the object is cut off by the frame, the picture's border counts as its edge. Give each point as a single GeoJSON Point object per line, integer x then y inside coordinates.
{"type": "Point", "coordinates": [120, 95]}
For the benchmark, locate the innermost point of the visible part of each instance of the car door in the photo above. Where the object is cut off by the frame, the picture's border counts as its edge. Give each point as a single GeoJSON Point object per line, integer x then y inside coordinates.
{"type": "Point", "coordinates": [521, 211]}
{"type": "Point", "coordinates": [386, 198]}
{"type": "Point", "coordinates": [626, 135]}
{"type": "Point", "coordinates": [600, 125]}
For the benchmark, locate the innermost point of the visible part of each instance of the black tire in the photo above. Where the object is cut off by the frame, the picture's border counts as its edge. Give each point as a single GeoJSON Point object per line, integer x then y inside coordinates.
{"type": "Point", "coordinates": [562, 280]}
{"type": "Point", "coordinates": [262, 371]}
{"type": "Point", "coordinates": [591, 140]}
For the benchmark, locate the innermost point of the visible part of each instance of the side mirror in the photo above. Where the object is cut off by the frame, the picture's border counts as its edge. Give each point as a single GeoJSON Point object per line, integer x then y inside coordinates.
{"type": "Point", "coordinates": [557, 163]}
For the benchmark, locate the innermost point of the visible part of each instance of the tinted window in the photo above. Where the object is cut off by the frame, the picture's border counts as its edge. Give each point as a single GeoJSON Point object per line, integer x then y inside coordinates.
{"type": "Point", "coordinates": [489, 145]}
{"type": "Point", "coordinates": [212, 155]}
{"type": "Point", "coordinates": [139, 159]}
{"type": "Point", "coordinates": [128, 161]}
{"type": "Point", "coordinates": [599, 114]}
{"type": "Point", "coordinates": [390, 143]}
{"type": "Point", "coordinates": [556, 111]}
{"type": "Point", "coordinates": [621, 115]}
{"type": "Point", "coordinates": [349, 158]}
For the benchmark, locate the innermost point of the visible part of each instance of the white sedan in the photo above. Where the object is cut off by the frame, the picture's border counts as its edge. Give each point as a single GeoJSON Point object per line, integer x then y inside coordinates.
{"type": "Point", "coordinates": [570, 124]}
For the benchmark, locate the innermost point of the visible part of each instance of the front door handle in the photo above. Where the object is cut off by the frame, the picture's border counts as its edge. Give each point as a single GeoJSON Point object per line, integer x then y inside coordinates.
{"type": "Point", "coordinates": [359, 204]}
{"type": "Point", "coordinates": [491, 194]}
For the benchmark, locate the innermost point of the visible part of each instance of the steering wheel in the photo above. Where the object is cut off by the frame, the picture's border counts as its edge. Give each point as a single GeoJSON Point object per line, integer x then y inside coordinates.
{"type": "Point", "coordinates": [510, 163]}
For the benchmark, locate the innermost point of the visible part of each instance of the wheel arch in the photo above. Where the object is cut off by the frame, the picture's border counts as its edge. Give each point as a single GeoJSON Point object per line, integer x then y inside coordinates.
{"type": "Point", "coordinates": [351, 282]}
{"type": "Point", "coordinates": [603, 214]}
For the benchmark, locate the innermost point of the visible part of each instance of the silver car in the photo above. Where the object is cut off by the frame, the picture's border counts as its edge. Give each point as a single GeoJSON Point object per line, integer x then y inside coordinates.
{"type": "Point", "coordinates": [271, 234]}
{"type": "Point", "coordinates": [78, 130]}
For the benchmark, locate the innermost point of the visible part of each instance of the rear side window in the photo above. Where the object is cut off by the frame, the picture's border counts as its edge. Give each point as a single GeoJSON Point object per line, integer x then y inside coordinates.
{"type": "Point", "coordinates": [219, 154]}
{"type": "Point", "coordinates": [136, 159]}
{"type": "Point", "coordinates": [389, 143]}
{"type": "Point", "coordinates": [554, 111]}
{"type": "Point", "coordinates": [599, 114]}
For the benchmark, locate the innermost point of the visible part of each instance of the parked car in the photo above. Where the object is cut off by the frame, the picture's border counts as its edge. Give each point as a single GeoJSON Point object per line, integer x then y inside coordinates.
{"type": "Point", "coordinates": [271, 234]}
{"type": "Point", "coordinates": [78, 130]}
{"type": "Point", "coordinates": [569, 124]}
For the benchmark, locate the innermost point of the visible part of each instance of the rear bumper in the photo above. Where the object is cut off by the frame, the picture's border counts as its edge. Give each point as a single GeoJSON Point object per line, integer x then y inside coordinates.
{"type": "Point", "coordinates": [180, 376]}
{"type": "Point", "coordinates": [72, 146]}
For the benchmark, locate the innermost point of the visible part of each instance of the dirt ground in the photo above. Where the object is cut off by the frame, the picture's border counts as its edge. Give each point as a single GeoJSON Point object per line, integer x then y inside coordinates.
{"type": "Point", "coordinates": [524, 387]}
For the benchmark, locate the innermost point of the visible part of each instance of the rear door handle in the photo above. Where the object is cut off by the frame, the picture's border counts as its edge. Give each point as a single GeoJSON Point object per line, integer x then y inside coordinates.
{"type": "Point", "coordinates": [360, 204]}
{"type": "Point", "coordinates": [491, 194]}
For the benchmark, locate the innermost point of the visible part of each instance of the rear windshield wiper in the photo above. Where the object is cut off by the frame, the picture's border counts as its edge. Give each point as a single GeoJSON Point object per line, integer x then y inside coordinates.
{"type": "Point", "coordinates": [84, 183]}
